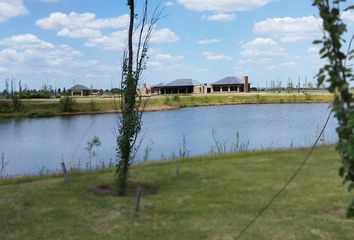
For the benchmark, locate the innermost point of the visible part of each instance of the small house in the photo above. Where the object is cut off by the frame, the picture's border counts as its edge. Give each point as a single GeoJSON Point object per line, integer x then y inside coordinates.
{"type": "Point", "coordinates": [79, 90]}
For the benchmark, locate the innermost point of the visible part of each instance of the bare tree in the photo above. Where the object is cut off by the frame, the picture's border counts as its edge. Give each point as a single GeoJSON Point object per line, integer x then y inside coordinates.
{"type": "Point", "coordinates": [131, 104]}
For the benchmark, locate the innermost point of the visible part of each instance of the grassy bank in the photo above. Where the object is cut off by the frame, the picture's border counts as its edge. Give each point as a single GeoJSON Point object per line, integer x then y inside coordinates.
{"type": "Point", "coordinates": [52, 107]}
{"type": "Point", "coordinates": [213, 198]}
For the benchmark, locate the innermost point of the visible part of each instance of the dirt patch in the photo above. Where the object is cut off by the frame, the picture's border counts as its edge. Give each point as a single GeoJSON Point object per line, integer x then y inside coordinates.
{"type": "Point", "coordinates": [112, 190]}
{"type": "Point", "coordinates": [336, 211]}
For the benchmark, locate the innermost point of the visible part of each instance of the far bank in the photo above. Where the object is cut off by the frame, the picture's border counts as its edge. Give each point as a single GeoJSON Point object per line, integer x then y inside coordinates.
{"type": "Point", "coordinates": [33, 108]}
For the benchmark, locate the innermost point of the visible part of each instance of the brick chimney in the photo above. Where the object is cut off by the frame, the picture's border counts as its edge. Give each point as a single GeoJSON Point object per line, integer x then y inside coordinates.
{"type": "Point", "coordinates": [245, 83]}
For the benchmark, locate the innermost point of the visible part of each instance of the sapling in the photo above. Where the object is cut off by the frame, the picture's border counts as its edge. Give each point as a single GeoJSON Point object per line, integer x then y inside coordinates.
{"type": "Point", "coordinates": [92, 148]}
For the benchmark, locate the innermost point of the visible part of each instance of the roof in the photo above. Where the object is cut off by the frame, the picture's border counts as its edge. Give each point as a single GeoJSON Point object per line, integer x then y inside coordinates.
{"type": "Point", "coordinates": [183, 83]}
{"type": "Point", "coordinates": [228, 81]}
{"type": "Point", "coordinates": [78, 87]}
{"type": "Point", "coordinates": [158, 85]}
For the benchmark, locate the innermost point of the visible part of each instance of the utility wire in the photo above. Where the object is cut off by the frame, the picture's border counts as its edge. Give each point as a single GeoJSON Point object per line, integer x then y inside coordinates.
{"type": "Point", "coordinates": [82, 138]}
{"type": "Point", "coordinates": [276, 195]}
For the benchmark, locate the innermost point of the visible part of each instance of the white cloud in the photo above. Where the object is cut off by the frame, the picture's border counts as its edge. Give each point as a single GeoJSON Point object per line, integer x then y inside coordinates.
{"type": "Point", "coordinates": [221, 17]}
{"type": "Point", "coordinates": [290, 29]}
{"type": "Point", "coordinates": [245, 61]}
{"type": "Point", "coordinates": [154, 64]}
{"type": "Point", "coordinates": [87, 26]}
{"type": "Point", "coordinates": [169, 3]}
{"type": "Point", "coordinates": [113, 41]}
{"type": "Point", "coordinates": [117, 40]}
{"type": "Point", "coordinates": [11, 8]}
{"type": "Point", "coordinates": [209, 55]}
{"type": "Point", "coordinates": [348, 16]}
{"type": "Point", "coordinates": [79, 33]}
{"type": "Point", "coordinates": [30, 49]}
{"type": "Point", "coordinates": [222, 6]}
{"type": "Point", "coordinates": [168, 57]}
{"type": "Point", "coordinates": [163, 35]}
{"type": "Point", "coordinates": [313, 50]}
{"type": "Point", "coordinates": [288, 64]}
{"type": "Point", "coordinates": [209, 41]}
{"type": "Point", "coordinates": [282, 65]}
{"type": "Point", "coordinates": [81, 25]}
{"type": "Point", "coordinates": [3, 70]}
{"type": "Point", "coordinates": [262, 47]}
{"type": "Point", "coordinates": [25, 41]}
{"type": "Point", "coordinates": [33, 59]}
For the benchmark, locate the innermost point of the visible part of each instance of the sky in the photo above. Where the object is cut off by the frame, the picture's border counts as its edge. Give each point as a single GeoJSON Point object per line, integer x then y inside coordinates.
{"type": "Point", "coordinates": [66, 42]}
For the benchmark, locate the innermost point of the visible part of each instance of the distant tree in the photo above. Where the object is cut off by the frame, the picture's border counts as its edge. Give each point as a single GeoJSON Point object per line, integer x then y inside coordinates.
{"type": "Point", "coordinates": [6, 89]}
{"type": "Point", "coordinates": [115, 91]}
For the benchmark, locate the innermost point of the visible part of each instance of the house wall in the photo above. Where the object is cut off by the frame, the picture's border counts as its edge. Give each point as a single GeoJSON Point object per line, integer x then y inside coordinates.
{"type": "Point", "coordinates": [79, 93]}
{"type": "Point", "coordinates": [246, 84]}
{"type": "Point", "coordinates": [228, 88]}
{"type": "Point", "coordinates": [198, 89]}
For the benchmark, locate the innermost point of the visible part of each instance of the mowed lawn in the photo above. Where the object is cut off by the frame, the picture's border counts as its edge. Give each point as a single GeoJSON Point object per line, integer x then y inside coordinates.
{"type": "Point", "coordinates": [213, 198]}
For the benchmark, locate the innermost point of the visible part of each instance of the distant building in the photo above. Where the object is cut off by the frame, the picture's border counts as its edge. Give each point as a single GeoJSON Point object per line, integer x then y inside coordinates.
{"type": "Point", "coordinates": [231, 84]}
{"type": "Point", "coordinates": [179, 86]}
{"type": "Point", "coordinates": [2, 96]}
{"type": "Point", "coordinates": [190, 86]}
{"type": "Point", "coordinates": [157, 89]}
{"type": "Point", "coordinates": [145, 90]}
{"type": "Point", "coordinates": [79, 90]}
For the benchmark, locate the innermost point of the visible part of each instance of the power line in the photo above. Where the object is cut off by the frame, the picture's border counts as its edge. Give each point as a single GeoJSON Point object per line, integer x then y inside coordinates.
{"type": "Point", "coordinates": [276, 195]}
{"type": "Point", "coordinates": [82, 138]}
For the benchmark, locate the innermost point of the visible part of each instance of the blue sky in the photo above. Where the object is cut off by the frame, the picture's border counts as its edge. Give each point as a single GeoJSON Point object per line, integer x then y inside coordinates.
{"type": "Point", "coordinates": [64, 42]}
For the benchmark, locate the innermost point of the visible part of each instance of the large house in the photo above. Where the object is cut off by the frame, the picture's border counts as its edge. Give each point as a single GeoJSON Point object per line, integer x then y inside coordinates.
{"type": "Point", "coordinates": [231, 84]}
{"type": "Point", "coordinates": [179, 86]}
{"type": "Point", "coordinates": [190, 86]}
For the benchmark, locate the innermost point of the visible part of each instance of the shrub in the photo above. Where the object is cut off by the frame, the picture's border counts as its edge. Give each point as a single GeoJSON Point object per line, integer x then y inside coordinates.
{"type": "Point", "coordinates": [166, 101]}
{"type": "Point", "coordinates": [5, 107]}
{"type": "Point", "coordinates": [67, 104]}
{"type": "Point", "coordinates": [176, 98]}
{"type": "Point", "coordinates": [93, 105]}
{"type": "Point", "coordinates": [17, 105]}
{"type": "Point", "coordinates": [42, 114]}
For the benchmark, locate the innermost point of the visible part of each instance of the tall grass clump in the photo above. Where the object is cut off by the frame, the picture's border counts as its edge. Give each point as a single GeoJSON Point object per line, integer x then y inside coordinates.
{"type": "Point", "coordinates": [67, 104]}
{"type": "Point", "coordinates": [5, 107]}
{"type": "Point", "coordinates": [17, 105]}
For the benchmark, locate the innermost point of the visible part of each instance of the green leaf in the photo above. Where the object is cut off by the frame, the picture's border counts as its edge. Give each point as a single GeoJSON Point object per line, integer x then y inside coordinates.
{"type": "Point", "coordinates": [350, 209]}
{"type": "Point", "coordinates": [350, 186]}
{"type": "Point", "coordinates": [341, 171]}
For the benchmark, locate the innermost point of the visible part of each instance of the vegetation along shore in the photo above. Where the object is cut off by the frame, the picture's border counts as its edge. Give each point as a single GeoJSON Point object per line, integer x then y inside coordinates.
{"type": "Point", "coordinates": [89, 105]}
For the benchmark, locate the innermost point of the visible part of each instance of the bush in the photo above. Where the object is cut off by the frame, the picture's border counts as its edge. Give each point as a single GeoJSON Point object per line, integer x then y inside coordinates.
{"type": "Point", "coordinates": [166, 100]}
{"type": "Point", "coordinates": [5, 107]}
{"type": "Point", "coordinates": [17, 105]}
{"type": "Point", "coordinates": [93, 106]}
{"type": "Point", "coordinates": [67, 104]}
{"type": "Point", "coordinates": [42, 114]}
{"type": "Point", "coordinates": [176, 98]}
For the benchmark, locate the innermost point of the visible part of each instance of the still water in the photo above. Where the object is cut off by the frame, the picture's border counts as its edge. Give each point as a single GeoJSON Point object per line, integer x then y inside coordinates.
{"type": "Point", "coordinates": [36, 145]}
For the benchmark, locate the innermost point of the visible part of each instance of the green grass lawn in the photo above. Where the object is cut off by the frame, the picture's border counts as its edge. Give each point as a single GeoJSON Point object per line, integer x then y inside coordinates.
{"type": "Point", "coordinates": [213, 198]}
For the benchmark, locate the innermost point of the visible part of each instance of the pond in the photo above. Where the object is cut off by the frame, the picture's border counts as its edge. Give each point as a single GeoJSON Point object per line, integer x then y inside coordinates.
{"type": "Point", "coordinates": [34, 146]}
